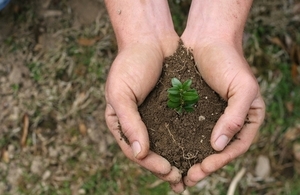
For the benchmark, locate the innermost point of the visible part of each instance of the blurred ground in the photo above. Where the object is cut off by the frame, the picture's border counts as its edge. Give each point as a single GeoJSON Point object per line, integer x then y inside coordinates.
{"type": "Point", "coordinates": [54, 58]}
{"type": "Point", "coordinates": [53, 62]}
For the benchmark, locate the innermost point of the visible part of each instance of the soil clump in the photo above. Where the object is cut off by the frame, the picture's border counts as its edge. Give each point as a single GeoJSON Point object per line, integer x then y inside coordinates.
{"type": "Point", "coordinates": [183, 139]}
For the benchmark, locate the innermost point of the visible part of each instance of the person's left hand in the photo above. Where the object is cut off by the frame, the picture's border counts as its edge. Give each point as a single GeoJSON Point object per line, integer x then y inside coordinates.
{"type": "Point", "coordinates": [223, 66]}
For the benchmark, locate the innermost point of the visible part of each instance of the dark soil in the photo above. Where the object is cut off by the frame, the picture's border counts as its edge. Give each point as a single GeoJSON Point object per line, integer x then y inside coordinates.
{"type": "Point", "coordinates": [183, 139]}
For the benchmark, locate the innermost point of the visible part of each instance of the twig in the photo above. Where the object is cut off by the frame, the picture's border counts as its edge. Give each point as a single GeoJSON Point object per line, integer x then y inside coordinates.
{"type": "Point", "coordinates": [156, 183]}
{"type": "Point", "coordinates": [182, 67]}
{"type": "Point", "coordinates": [235, 181]}
{"type": "Point", "coordinates": [167, 127]}
{"type": "Point", "coordinates": [187, 156]}
{"type": "Point", "coordinates": [197, 71]}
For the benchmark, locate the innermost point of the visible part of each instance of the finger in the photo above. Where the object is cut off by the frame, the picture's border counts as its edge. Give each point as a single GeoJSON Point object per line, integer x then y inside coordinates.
{"type": "Point", "coordinates": [152, 161]}
{"type": "Point", "coordinates": [131, 125]}
{"type": "Point", "coordinates": [175, 180]}
{"type": "Point", "coordinates": [233, 150]}
{"type": "Point", "coordinates": [178, 187]}
{"type": "Point", "coordinates": [239, 102]}
{"type": "Point", "coordinates": [155, 163]}
{"type": "Point", "coordinates": [174, 176]}
{"type": "Point", "coordinates": [213, 162]}
{"type": "Point", "coordinates": [192, 182]}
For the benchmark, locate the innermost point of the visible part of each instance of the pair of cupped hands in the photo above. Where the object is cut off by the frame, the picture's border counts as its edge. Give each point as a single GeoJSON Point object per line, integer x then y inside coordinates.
{"type": "Point", "coordinates": [135, 72]}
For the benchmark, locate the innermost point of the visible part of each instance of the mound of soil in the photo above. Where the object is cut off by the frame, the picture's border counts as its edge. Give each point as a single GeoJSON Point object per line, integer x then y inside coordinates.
{"type": "Point", "coordinates": [183, 139]}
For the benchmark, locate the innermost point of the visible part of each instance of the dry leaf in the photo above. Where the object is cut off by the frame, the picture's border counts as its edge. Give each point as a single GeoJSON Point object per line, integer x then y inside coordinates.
{"type": "Point", "coordinates": [25, 130]}
{"type": "Point", "coordinates": [295, 73]}
{"type": "Point", "coordinates": [86, 12]}
{"type": "Point", "coordinates": [80, 98]}
{"type": "Point", "coordinates": [297, 166]}
{"type": "Point", "coordinates": [15, 77]}
{"type": "Point", "coordinates": [52, 13]}
{"type": "Point", "coordinates": [80, 70]}
{"type": "Point", "coordinates": [82, 129]}
{"type": "Point", "coordinates": [296, 151]}
{"type": "Point", "coordinates": [295, 54]}
{"type": "Point", "coordinates": [5, 156]}
{"type": "Point", "coordinates": [292, 133]}
{"type": "Point", "coordinates": [74, 139]}
{"type": "Point", "coordinates": [46, 175]}
{"type": "Point", "coordinates": [298, 56]}
{"type": "Point", "coordinates": [87, 41]}
{"type": "Point", "coordinates": [289, 45]}
{"type": "Point", "coordinates": [288, 41]}
{"type": "Point", "coordinates": [45, 4]}
{"type": "Point", "coordinates": [289, 106]}
{"type": "Point", "coordinates": [37, 166]}
{"type": "Point", "coordinates": [296, 8]}
{"type": "Point", "coordinates": [278, 42]}
{"type": "Point", "coordinates": [16, 9]}
{"type": "Point", "coordinates": [262, 168]}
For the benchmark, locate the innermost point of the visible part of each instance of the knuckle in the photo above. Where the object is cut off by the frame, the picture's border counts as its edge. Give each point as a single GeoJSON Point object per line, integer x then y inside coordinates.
{"type": "Point", "coordinates": [235, 125]}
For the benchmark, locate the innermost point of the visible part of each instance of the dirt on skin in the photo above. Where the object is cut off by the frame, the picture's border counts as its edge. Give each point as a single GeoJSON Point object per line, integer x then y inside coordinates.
{"type": "Point", "coordinates": [183, 139]}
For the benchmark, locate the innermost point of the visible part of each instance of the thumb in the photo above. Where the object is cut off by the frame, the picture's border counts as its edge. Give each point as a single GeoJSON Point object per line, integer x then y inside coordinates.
{"type": "Point", "coordinates": [233, 119]}
{"type": "Point", "coordinates": [125, 123]}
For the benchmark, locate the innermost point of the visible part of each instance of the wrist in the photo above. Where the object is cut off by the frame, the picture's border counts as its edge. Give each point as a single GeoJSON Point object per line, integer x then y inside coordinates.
{"type": "Point", "coordinates": [217, 21]}
{"type": "Point", "coordinates": [140, 21]}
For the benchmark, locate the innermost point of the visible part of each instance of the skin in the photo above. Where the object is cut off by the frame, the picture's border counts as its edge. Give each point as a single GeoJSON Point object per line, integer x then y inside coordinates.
{"type": "Point", "coordinates": [216, 39]}
{"type": "Point", "coordinates": [145, 36]}
{"type": "Point", "coordinates": [144, 40]}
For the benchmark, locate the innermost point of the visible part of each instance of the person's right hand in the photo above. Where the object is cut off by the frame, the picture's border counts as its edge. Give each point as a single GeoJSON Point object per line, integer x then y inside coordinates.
{"type": "Point", "coordinates": [145, 35]}
{"type": "Point", "coordinates": [132, 76]}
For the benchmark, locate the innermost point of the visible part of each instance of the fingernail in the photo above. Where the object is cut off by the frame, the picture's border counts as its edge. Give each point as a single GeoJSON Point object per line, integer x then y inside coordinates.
{"type": "Point", "coordinates": [136, 147]}
{"type": "Point", "coordinates": [221, 142]}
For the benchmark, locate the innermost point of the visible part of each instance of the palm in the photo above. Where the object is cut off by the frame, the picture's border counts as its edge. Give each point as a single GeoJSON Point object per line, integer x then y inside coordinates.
{"type": "Point", "coordinates": [227, 72]}
{"type": "Point", "coordinates": [132, 76]}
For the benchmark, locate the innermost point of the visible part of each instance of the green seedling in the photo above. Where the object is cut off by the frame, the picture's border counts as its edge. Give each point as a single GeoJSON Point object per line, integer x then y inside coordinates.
{"type": "Point", "coordinates": [181, 97]}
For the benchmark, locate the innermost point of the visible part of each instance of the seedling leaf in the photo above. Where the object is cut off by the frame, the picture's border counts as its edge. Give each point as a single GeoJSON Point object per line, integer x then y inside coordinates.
{"type": "Point", "coordinates": [176, 82]}
{"type": "Point", "coordinates": [181, 96]}
{"type": "Point", "coordinates": [174, 98]}
{"type": "Point", "coordinates": [173, 104]}
{"type": "Point", "coordinates": [191, 98]}
{"type": "Point", "coordinates": [179, 110]}
{"type": "Point", "coordinates": [189, 108]}
{"type": "Point", "coordinates": [187, 84]}
{"type": "Point", "coordinates": [173, 91]}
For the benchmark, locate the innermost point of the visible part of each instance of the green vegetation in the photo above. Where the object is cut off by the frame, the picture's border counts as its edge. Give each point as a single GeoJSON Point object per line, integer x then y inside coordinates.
{"type": "Point", "coordinates": [181, 96]}
{"type": "Point", "coordinates": [123, 178]}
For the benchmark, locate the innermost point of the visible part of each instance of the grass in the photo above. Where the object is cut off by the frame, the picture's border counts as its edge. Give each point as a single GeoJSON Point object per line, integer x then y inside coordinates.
{"type": "Point", "coordinates": [35, 70]}
{"type": "Point", "coordinates": [111, 181]}
{"type": "Point", "coordinates": [286, 92]}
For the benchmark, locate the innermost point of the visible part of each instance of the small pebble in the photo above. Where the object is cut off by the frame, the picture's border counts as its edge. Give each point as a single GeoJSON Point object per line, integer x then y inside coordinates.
{"type": "Point", "coordinates": [201, 118]}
